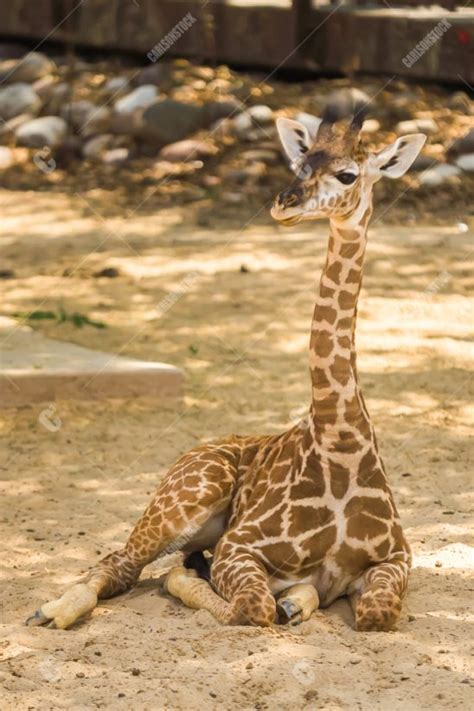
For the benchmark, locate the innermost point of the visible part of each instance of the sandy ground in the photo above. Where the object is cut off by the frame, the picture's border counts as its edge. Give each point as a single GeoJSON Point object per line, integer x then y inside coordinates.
{"type": "Point", "coordinates": [238, 325]}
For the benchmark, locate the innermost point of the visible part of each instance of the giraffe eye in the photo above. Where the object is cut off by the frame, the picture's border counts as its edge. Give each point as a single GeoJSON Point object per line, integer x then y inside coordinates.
{"type": "Point", "coordinates": [346, 178]}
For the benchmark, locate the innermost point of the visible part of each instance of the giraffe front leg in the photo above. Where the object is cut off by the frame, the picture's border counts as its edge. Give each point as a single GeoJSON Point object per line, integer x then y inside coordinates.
{"type": "Point", "coordinates": [114, 574]}
{"type": "Point", "coordinates": [377, 597]}
{"type": "Point", "coordinates": [194, 493]}
{"type": "Point", "coordinates": [297, 604]}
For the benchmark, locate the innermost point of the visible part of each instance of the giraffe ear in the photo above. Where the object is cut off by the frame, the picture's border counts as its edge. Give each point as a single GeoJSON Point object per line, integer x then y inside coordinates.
{"type": "Point", "coordinates": [295, 139]}
{"type": "Point", "coordinates": [394, 160]}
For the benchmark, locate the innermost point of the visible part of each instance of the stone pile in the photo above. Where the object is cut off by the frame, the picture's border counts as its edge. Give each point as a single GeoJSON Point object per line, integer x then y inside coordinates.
{"type": "Point", "coordinates": [174, 113]}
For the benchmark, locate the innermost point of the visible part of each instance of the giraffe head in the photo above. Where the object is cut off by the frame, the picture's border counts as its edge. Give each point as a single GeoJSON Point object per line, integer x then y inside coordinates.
{"type": "Point", "coordinates": [335, 174]}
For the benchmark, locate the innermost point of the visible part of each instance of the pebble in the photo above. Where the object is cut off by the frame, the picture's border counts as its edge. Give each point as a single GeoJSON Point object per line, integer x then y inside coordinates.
{"type": "Point", "coordinates": [269, 157]}
{"type": "Point", "coordinates": [108, 273]}
{"type": "Point", "coordinates": [98, 120]}
{"type": "Point", "coordinates": [40, 132]}
{"type": "Point", "coordinates": [18, 99]}
{"type": "Point", "coordinates": [427, 125]}
{"type": "Point", "coordinates": [439, 175]}
{"type": "Point", "coordinates": [423, 162]}
{"type": "Point", "coordinates": [77, 112]}
{"type": "Point", "coordinates": [7, 274]}
{"type": "Point", "coordinates": [6, 159]}
{"type": "Point", "coordinates": [94, 146]}
{"type": "Point", "coordinates": [188, 149]}
{"type": "Point", "coordinates": [139, 98]}
{"type": "Point", "coordinates": [115, 85]}
{"type": "Point", "coordinates": [261, 114]}
{"type": "Point", "coordinates": [371, 126]}
{"type": "Point", "coordinates": [169, 121]}
{"type": "Point", "coordinates": [416, 126]}
{"type": "Point", "coordinates": [465, 144]}
{"type": "Point", "coordinates": [231, 197]}
{"type": "Point", "coordinates": [60, 93]}
{"type": "Point", "coordinates": [460, 101]}
{"type": "Point", "coordinates": [29, 68]}
{"type": "Point", "coordinates": [242, 124]}
{"type": "Point", "coordinates": [8, 128]}
{"type": "Point", "coordinates": [466, 162]}
{"type": "Point", "coordinates": [115, 155]}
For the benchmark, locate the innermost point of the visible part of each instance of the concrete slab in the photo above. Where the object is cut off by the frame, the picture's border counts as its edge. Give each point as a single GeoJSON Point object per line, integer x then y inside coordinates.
{"type": "Point", "coordinates": [38, 369]}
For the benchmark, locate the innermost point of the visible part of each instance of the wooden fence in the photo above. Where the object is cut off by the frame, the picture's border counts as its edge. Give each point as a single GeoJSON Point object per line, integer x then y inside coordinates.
{"type": "Point", "coordinates": [324, 37]}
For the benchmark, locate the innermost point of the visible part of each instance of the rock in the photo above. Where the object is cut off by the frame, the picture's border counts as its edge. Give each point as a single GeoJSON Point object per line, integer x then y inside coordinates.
{"type": "Point", "coordinates": [108, 273]}
{"type": "Point", "coordinates": [139, 98]}
{"type": "Point", "coordinates": [460, 101]}
{"type": "Point", "coordinates": [261, 114]}
{"type": "Point", "coordinates": [416, 126]}
{"type": "Point", "coordinates": [465, 144]}
{"type": "Point", "coordinates": [157, 74]}
{"type": "Point", "coordinates": [234, 198]}
{"type": "Point", "coordinates": [69, 151]}
{"type": "Point", "coordinates": [92, 149]}
{"type": "Point", "coordinates": [6, 157]}
{"type": "Point", "coordinates": [219, 110]}
{"type": "Point", "coordinates": [44, 87]}
{"type": "Point", "coordinates": [250, 174]}
{"type": "Point", "coordinates": [18, 99]}
{"type": "Point", "coordinates": [358, 96]}
{"type": "Point", "coordinates": [189, 149]}
{"type": "Point", "coordinates": [98, 121]}
{"type": "Point", "coordinates": [125, 124]}
{"type": "Point", "coordinates": [466, 162]}
{"type": "Point", "coordinates": [8, 128]}
{"type": "Point", "coordinates": [371, 126]}
{"type": "Point", "coordinates": [7, 274]}
{"type": "Point", "coordinates": [424, 162]}
{"type": "Point", "coordinates": [29, 68]}
{"type": "Point", "coordinates": [116, 85]}
{"type": "Point", "coordinates": [169, 121]}
{"type": "Point", "coordinates": [77, 112]}
{"type": "Point", "coordinates": [427, 125]}
{"type": "Point", "coordinates": [267, 156]}
{"type": "Point", "coordinates": [60, 94]}
{"type": "Point", "coordinates": [439, 175]}
{"type": "Point", "coordinates": [115, 156]}
{"type": "Point", "coordinates": [44, 131]}
{"type": "Point", "coordinates": [243, 124]}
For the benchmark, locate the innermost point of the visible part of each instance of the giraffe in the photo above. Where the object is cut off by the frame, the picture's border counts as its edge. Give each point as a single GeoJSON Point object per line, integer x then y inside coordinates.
{"type": "Point", "coordinates": [298, 519]}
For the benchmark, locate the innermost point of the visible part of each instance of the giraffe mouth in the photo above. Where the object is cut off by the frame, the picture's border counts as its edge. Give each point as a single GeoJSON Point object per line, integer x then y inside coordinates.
{"type": "Point", "coordinates": [287, 221]}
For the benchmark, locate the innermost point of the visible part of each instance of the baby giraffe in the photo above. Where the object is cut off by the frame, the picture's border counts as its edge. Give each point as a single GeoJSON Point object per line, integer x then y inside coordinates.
{"type": "Point", "coordinates": [298, 519]}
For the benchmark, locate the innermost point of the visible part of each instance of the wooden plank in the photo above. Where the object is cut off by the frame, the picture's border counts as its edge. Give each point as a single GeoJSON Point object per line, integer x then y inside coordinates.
{"type": "Point", "coordinates": [380, 42]}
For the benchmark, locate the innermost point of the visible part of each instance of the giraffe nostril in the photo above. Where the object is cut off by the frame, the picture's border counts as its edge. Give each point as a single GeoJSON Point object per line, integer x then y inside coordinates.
{"type": "Point", "coordinates": [290, 197]}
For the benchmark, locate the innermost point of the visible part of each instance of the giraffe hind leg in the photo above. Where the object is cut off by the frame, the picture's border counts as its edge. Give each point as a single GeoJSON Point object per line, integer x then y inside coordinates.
{"type": "Point", "coordinates": [248, 600]}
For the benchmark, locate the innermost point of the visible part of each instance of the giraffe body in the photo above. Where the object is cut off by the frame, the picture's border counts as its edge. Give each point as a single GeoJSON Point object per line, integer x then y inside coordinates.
{"type": "Point", "coordinates": [298, 519]}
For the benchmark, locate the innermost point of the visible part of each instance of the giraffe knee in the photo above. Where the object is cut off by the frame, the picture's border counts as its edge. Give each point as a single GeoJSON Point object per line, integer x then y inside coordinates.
{"type": "Point", "coordinates": [378, 610]}
{"type": "Point", "coordinates": [254, 609]}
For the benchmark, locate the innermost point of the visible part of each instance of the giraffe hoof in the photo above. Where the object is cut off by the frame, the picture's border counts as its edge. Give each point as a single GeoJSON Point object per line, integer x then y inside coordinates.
{"type": "Point", "coordinates": [289, 613]}
{"type": "Point", "coordinates": [37, 619]}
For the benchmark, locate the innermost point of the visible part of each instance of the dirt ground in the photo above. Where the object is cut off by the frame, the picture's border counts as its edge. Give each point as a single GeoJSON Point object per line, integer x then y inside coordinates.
{"type": "Point", "coordinates": [238, 326]}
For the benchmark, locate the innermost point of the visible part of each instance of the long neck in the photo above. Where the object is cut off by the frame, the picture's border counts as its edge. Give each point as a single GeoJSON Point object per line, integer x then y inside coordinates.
{"type": "Point", "coordinates": [336, 400]}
